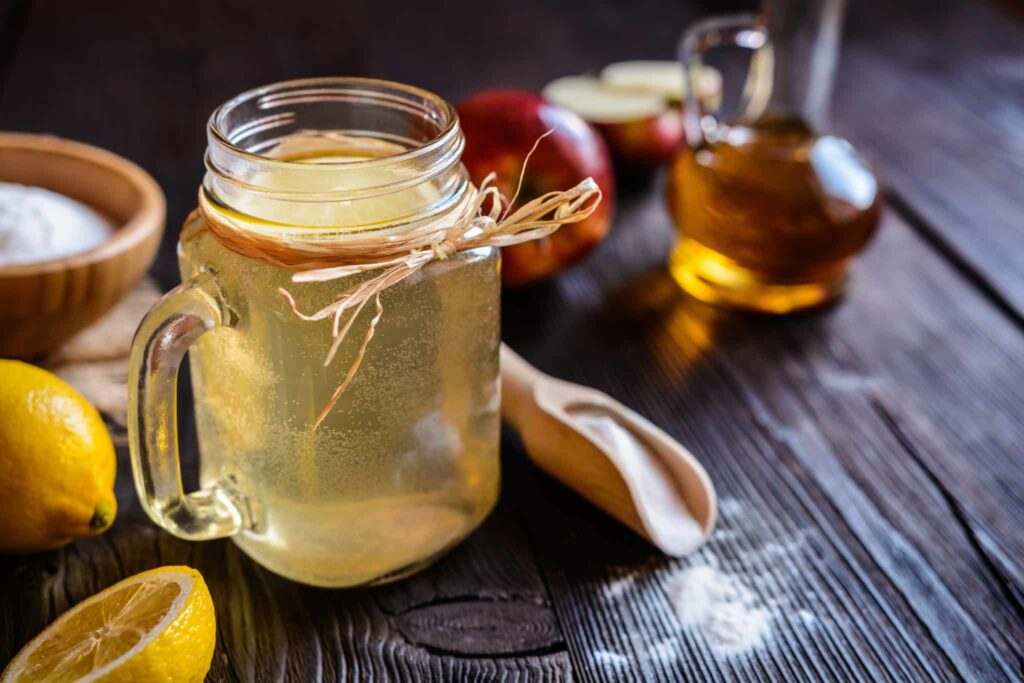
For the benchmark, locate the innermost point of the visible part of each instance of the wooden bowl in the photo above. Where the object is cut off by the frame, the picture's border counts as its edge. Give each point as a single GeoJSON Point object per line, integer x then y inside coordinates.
{"type": "Point", "coordinates": [43, 304]}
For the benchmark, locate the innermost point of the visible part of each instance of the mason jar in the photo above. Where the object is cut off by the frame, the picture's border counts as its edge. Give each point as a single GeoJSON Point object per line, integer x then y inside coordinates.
{"type": "Point", "coordinates": [405, 463]}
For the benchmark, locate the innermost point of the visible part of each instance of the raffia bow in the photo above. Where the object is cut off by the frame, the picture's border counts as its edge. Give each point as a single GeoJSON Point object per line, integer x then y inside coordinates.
{"type": "Point", "coordinates": [400, 255]}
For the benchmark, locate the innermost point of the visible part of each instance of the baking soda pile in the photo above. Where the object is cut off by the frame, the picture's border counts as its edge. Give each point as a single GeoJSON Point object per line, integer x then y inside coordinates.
{"type": "Point", "coordinates": [39, 225]}
{"type": "Point", "coordinates": [729, 612]}
{"type": "Point", "coordinates": [719, 606]}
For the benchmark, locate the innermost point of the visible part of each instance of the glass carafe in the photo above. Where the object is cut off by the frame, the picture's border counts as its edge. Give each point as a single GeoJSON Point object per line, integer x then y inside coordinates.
{"type": "Point", "coordinates": [769, 205]}
{"type": "Point", "coordinates": [406, 463]}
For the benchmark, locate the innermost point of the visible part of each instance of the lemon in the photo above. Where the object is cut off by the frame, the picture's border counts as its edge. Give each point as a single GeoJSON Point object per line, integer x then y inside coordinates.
{"type": "Point", "coordinates": [154, 627]}
{"type": "Point", "coordinates": [57, 463]}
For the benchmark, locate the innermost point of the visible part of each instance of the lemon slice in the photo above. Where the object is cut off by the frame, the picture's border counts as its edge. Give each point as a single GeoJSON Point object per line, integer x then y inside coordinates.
{"type": "Point", "coordinates": [157, 626]}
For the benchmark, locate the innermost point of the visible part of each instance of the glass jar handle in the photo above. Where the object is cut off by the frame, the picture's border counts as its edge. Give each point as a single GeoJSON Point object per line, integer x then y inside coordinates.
{"type": "Point", "coordinates": [160, 343]}
{"type": "Point", "coordinates": [734, 30]}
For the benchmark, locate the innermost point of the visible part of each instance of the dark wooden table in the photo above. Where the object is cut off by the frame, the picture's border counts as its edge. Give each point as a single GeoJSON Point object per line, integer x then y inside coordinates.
{"type": "Point", "coordinates": [870, 457]}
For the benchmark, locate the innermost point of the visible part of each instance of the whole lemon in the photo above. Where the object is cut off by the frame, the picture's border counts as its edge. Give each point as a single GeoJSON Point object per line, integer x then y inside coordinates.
{"type": "Point", "coordinates": [57, 463]}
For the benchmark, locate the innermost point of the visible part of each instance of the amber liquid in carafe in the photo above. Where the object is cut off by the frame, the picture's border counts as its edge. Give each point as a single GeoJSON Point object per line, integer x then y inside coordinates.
{"type": "Point", "coordinates": [769, 216]}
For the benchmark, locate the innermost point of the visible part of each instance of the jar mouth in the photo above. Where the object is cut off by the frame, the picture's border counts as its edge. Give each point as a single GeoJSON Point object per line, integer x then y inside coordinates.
{"type": "Point", "coordinates": [338, 153]}
{"type": "Point", "coordinates": [345, 89]}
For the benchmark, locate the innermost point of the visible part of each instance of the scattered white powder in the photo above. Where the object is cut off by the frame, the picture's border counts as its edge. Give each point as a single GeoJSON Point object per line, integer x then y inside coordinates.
{"type": "Point", "coordinates": [731, 507]}
{"type": "Point", "coordinates": [660, 504]}
{"type": "Point", "coordinates": [728, 596]}
{"type": "Point", "coordinates": [720, 607]}
{"type": "Point", "coordinates": [662, 651]}
{"type": "Point", "coordinates": [849, 382]}
{"type": "Point", "coordinates": [613, 659]}
{"type": "Point", "coordinates": [39, 225]}
{"type": "Point", "coordinates": [618, 587]}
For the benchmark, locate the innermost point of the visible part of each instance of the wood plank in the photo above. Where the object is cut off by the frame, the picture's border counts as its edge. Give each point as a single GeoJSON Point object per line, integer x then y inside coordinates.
{"type": "Point", "coordinates": [858, 445]}
{"type": "Point", "coordinates": [935, 92]}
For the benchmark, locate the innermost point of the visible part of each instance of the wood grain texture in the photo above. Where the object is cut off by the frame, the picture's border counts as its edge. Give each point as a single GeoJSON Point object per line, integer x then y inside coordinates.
{"type": "Point", "coordinates": [868, 457]}
{"type": "Point", "coordinates": [874, 489]}
{"type": "Point", "coordinates": [944, 114]}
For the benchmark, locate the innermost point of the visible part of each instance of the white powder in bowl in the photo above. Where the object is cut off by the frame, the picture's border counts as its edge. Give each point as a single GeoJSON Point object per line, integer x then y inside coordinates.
{"type": "Point", "coordinates": [40, 225]}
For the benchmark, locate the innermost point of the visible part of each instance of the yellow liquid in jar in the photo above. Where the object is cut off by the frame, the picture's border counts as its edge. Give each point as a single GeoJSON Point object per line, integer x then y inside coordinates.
{"type": "Point", "coordinates": [406, 464]}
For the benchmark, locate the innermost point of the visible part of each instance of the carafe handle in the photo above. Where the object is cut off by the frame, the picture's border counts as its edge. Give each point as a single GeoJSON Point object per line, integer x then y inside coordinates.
{"type": "Point", "coordinates": [734, 30]}
{"type": "Point", "coordinates": [163, 337]}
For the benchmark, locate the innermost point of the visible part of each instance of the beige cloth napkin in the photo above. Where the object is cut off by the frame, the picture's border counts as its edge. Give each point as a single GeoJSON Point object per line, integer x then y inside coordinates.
{"type": "Point", "coordinates": [95, 361]}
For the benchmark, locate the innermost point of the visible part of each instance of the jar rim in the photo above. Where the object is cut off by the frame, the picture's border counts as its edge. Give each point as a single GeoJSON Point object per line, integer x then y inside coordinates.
{"type": "Point", "coordinates": [450, 129]}
{"type": "Point", "coordinates": [422, 139]}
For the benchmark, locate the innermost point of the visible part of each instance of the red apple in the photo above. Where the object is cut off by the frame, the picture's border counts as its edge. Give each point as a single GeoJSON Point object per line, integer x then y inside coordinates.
{"type": "Point", "coordinates": [500, 128]}
{"type": "Point", "coordinates": [644, 144]}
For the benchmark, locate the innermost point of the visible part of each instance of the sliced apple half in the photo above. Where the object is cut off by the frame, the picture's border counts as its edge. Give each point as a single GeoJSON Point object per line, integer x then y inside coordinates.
{"type": "Point", "coordinates": [598, 103]}
{"type": "Point", "coordinates": [664, 78]}
{"type": "Point", "coordinates": [641, 128]}
{"type": "Point", "coordinates": [501, 127]}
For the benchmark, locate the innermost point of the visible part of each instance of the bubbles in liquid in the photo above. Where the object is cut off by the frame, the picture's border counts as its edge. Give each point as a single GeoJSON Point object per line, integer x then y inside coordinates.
{"type": "Point", "coordinates": [404, 466]}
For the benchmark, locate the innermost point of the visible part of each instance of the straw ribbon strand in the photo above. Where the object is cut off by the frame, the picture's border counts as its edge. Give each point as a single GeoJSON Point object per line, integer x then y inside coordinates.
{"type": "Point", "coordinates": [400, 255]}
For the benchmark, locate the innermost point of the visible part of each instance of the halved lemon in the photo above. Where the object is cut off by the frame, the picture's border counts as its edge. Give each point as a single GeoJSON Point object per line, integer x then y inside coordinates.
{"type": "Point", "coordinates": [154, 627]}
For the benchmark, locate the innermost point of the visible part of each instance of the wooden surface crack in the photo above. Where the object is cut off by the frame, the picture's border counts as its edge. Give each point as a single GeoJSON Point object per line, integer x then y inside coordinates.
{"type": "Point", "coordinates": [953, 629]}
{"type": "Point", "coordinates": [463, 598]}
{"type": "Point", "coordinates": [999, 576]}
{"type": "Point", "coordinates": [555, 648]}
{"type": "Point", "coordinates": [1002, 579]}
{"type": "Point", "coordinates": [836, 479]}
{"type": "Point", "coordinates": [542, 574]}
{"type": "Point", "coordinates": [935, 239]}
